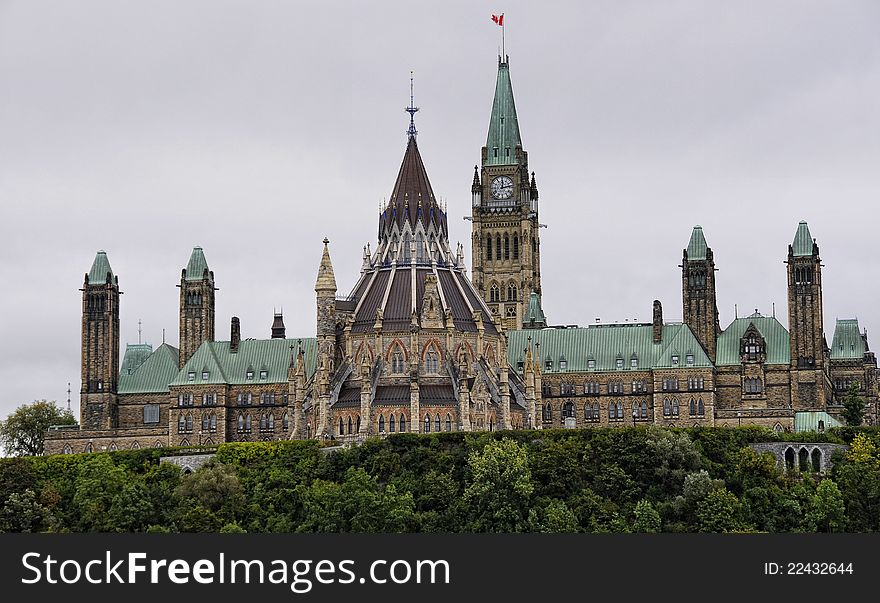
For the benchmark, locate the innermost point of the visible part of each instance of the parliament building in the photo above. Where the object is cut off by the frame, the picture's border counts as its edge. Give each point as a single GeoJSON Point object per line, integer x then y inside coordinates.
{"type": "Point", "coordinates": [419, 345]}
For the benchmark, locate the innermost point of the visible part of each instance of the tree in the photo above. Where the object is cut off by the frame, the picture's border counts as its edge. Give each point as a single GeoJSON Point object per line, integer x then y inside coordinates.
{"type": "Point", "coordinates": [23, 431]}
{"type": "Point", "coordinates": [719, 512]}
{"type": "Point", "coordinates": [853, 405]}
{"type": "Point", "coordinates": [827, 511]}
{"type": "Point", "coordinates": [647, 518]}
{"type": "Point", "coordinates": [499, 489]}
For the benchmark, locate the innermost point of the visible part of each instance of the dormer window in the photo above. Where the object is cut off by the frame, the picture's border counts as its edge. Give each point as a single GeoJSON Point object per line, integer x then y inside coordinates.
{"type": "Point", "coordinates": [205, 375]}
{"type": "Point", "coordinates": [634, 362]}
{"type": "Point", "coordinates": [249, 375]}
{"type": "Point", "coordinates": [548, 365]}
{"type": "Point", "coordinates": [618, 363]}
{"type": "Point", "coordinates": [689, 359]}
{"type": "Point", "coordinates": [191, 376]}
{"type": "Point", "coordinates": [563, 363]}
{"type": "Point", "coordinates": [675, 360]}
{"type": "Point", "coordinates": [591, 364]}
{"type": "Point", "coordinates": [264, 374]}
{"type": "Point", "coordinates": [752, 346]}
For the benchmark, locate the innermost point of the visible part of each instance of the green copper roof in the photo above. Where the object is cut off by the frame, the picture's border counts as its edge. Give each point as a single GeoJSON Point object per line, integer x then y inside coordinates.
{"type": "Point", "coordinates": [848, 342]}
{"type": "Point", "coordinates": [195, 269]}
{"type": "Point", "coordinates": [803, 241]}
{"type": "Point", "coordinates": [809, 421]}
{"type": "Point", "coordinates": [503, 125]}
{"type": "Point", "coordinates": [774, 334]}
{"type": "Point", "coordinates": [254, 355]}
{"type": "Point", "coordinates": [535, 313]}
{"type": "Point", "coordinates": [135, 355]}
{"type": "Point", "coordinates": [697, 246]}
{"type": "Point", "coordinates": [604, 344]}
{"type": "Point", "coordinates": [100, 269]}
{"type": "Point", "coordinates": [153, 375]}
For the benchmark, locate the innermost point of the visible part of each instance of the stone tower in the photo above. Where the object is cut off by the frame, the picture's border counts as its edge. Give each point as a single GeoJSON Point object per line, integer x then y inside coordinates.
{"type": "Point", "coordinates": [325, 294]}
{"type": "Point", "coordinates": [506, 255]}
{"type": "Point", "coordinates": [700, 310]}
{"type": "Point", "coordinates": [100, 346]}
{"type": "Point", "coordinates": [196, 305]}
{"type": "Point", "coordinates": [810, 386]}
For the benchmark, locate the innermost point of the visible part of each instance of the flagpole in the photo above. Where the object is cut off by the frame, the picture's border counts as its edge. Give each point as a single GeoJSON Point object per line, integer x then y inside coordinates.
{"type": "Point", "coordinates": [502, 38]}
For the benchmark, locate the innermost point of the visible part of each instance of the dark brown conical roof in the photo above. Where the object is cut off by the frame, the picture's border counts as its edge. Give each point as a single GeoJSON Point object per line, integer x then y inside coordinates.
{"type": "Point", "coordinates": [412, 198]}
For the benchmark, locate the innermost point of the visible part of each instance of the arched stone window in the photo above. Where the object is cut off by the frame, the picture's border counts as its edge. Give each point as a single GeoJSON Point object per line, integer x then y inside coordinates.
{"type": "Point", "coordinates": [398, 361]}
{"type": "Point", "coordinates": [489, 248]}
{"type": "Point", "coordinates": [213, 425]}
{"type": "Point", "coordinates": [567, 410]}
{"type": "Point", "coordinates": [437, 423]}
{"type": "Point", "coordinates": [498, 247]}
{"type": "Point", "coordinates": [341, 427]}
{"type": "Point", "coordinates": [285, 422]}
{"type": "Point", "coordinates": [674, 407]}
{"type": "Point", "coordinates": [506, 247]}
{"type": "Point", "coordinates": [516, 247]}
{"type": "Point", "coordinates": [701, 408]}
{"type": "Point", "coordinates": [427, 423]}
{"type": "Point", "coordinates": [240, 422]}
{"type": "Point", "coordinates": [206, 422]}
{"type": "Point", "coordinates": [803, 460]}
{"type": "Point", "coordinates": [402, 423]}
{"type": "Point", "coordinates": [391, 424]}
{"type": "Point", "coordinates": [816, 458]}
{"type": "Point", "coordinates": [432, 361]}
{"type": "Point", "coordinates": [247, 423]}
{"type": "Point", "coordinates": [69, 450]}
{"type": "Point", "coordinates": [357, 423]}
{"type": "Point", "coordinates": [350, 425]}
{"type": "Point", "coordinates": [494, 293]}
{"type": "Point", "coordinates": [667, 408]}
{"type": "Point", "coordinates": [548, 412]}
{"type": "Point", "coordinates": [512, 292]}
{"type": "Point", "coordinates": [136, 446]}
{"type": "Point", "coordinates": [90, 447]}
{"type": "Point", "coordinates": [381, 424]}
{"type": "Point", "coordinates": [448, 422]}
{"type": "Point", "coordinates": [181, 424]}
{"type": "Point", "coordinates": [693, 407]}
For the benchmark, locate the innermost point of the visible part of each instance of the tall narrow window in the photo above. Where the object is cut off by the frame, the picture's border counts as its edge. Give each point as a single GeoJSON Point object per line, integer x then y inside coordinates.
{"type": "Point", "coordinates": [381, 424]}
{"type": "Point", "coordinates": [402, 423]}
{"type": "Point", "coordinates": [515, 247]}
{"type": "Point", "coordinates": [489, 248]}
{"type": "Point", "coordinates": [448, 422]}
{"type": "Point", "coordinates": [494, 293]}
{"type": "Point", "coordinates": [427, 423]}
{"type": "Point", "coordinates": [437, 424]}
{"type": "Point", "coordinates": [506, 247]}
{"type": "Point", "coordinates": [511, 292]}
{"type": "Point", "coordinates": [498, 247]}
{"type": "Point", "coordinates": [391, 423]}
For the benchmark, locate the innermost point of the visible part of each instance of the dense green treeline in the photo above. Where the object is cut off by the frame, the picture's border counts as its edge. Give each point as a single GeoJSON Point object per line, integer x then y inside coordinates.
{"type": "Point", "coordinates": [592, 480]}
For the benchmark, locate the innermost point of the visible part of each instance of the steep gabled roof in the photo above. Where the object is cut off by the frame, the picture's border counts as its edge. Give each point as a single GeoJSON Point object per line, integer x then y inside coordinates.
{"type": "Point", "coordinates": [226, 367]}
{"type": "Point", "coordinates": [153, 375]}
{"type": "Point", "coordinates": [605, 344]}
{"type": "Point", "coordinates": [848, 342]}
{"type": "Point", "coordinates": [774, 334]}
{"type": "Point", "coordinates": [412, 198]}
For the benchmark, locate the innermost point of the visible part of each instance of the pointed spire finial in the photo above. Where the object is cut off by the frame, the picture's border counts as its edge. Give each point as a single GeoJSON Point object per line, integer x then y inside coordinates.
{"type": "Point", "coordinates": [412, 109]}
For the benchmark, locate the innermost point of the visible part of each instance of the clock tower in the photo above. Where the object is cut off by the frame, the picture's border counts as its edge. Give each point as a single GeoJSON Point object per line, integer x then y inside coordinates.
{"type": "Point", "coordinates": [506, 252]}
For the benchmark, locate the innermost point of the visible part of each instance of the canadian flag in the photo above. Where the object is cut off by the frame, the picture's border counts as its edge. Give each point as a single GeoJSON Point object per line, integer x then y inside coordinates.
{"type": "Point", "coordinates": [499, 19]}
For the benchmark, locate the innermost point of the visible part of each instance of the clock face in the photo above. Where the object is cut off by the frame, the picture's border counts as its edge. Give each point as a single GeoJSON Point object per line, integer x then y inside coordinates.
{"type": "Point", "coordinates": [502, 187]}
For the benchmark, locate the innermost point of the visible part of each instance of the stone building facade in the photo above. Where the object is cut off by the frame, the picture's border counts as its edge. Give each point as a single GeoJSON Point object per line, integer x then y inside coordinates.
{"type": "Point", "coordinates": [419, 346]}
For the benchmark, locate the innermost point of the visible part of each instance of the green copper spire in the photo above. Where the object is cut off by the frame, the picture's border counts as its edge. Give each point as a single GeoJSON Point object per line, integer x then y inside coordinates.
{"type": "Point", "coordinates": [101, 271]}
{"type": "Point", "coordinates": [534, 318]}
{"type": "Point", "coordinates": [803, 241]}
{"type": "Point", "coordinates": [195, 269]}
{"type": "Point", "coordinates": [697, 246]}
{"type": "Point", "coordinates": [503, 126]}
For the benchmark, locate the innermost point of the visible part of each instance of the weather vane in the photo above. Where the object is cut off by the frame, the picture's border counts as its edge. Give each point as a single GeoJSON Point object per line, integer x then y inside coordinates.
{"type": "Point", "coordinates": [411, 109]}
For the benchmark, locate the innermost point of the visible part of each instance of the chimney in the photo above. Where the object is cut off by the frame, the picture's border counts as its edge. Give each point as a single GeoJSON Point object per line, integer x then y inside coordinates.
{"type": "Point", "coordinates": [658, 321]}
{"type": "Point", "coordinates": [235, 335]}
{"type": "Point", "coordinates": [278, 330]}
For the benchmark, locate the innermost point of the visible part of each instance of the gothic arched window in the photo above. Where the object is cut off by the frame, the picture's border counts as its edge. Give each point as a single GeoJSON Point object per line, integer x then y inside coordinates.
{"type": "Point", "coordinates": [489, 248]}
{"type": "Point", "coordinates": [398, 364]}
{"type": "Point", "coordinates": [427, 423]}
{"type": "Point", "coordinates": [498, 247]}
{"type": "Point", "coordinates": [506, 247]}
{"type": "Point", "coordinates": [391, 423]}
{"type": "Point", "coordinates": [432, 362]}
{"type": "Point", "coordinates": [402, 423]}
{"type": "Point", "coordinates": [515, 247]}
{"type": "Point", "coordinates": [381, 424]}
{"type": "Point", "coordinates": [511, 292]}
{"type": "Point", "coordinates": [349, 425]}
{"type": "Point", "coordinates": [494, 293]}
{"type": "Point", "coordinates": [448, 422]}
{"type": "Point", "coordinates": [437, 423]}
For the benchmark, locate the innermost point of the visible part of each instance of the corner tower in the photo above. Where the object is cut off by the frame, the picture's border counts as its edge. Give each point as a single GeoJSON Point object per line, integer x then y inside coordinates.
{"type": "Point", "coordinates": [100, 346]}
{"type": "Point", "coordinates": [700, 309]}
{"type": "Point", "coordinates": [506, 256]}
{"type": "Point", "coordinates": [809, 383]}
{"type": "Point", "coordinates": [196, 305]}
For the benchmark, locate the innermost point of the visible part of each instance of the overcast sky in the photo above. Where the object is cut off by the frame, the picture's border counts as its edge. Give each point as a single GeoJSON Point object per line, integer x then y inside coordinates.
{"type": "Point", "coordinates": [257, 128]}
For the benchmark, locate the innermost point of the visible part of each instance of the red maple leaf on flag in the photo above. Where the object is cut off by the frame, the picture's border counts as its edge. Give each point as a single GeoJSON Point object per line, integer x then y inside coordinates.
{"type": "Point", "coordinates": [499, 19]}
